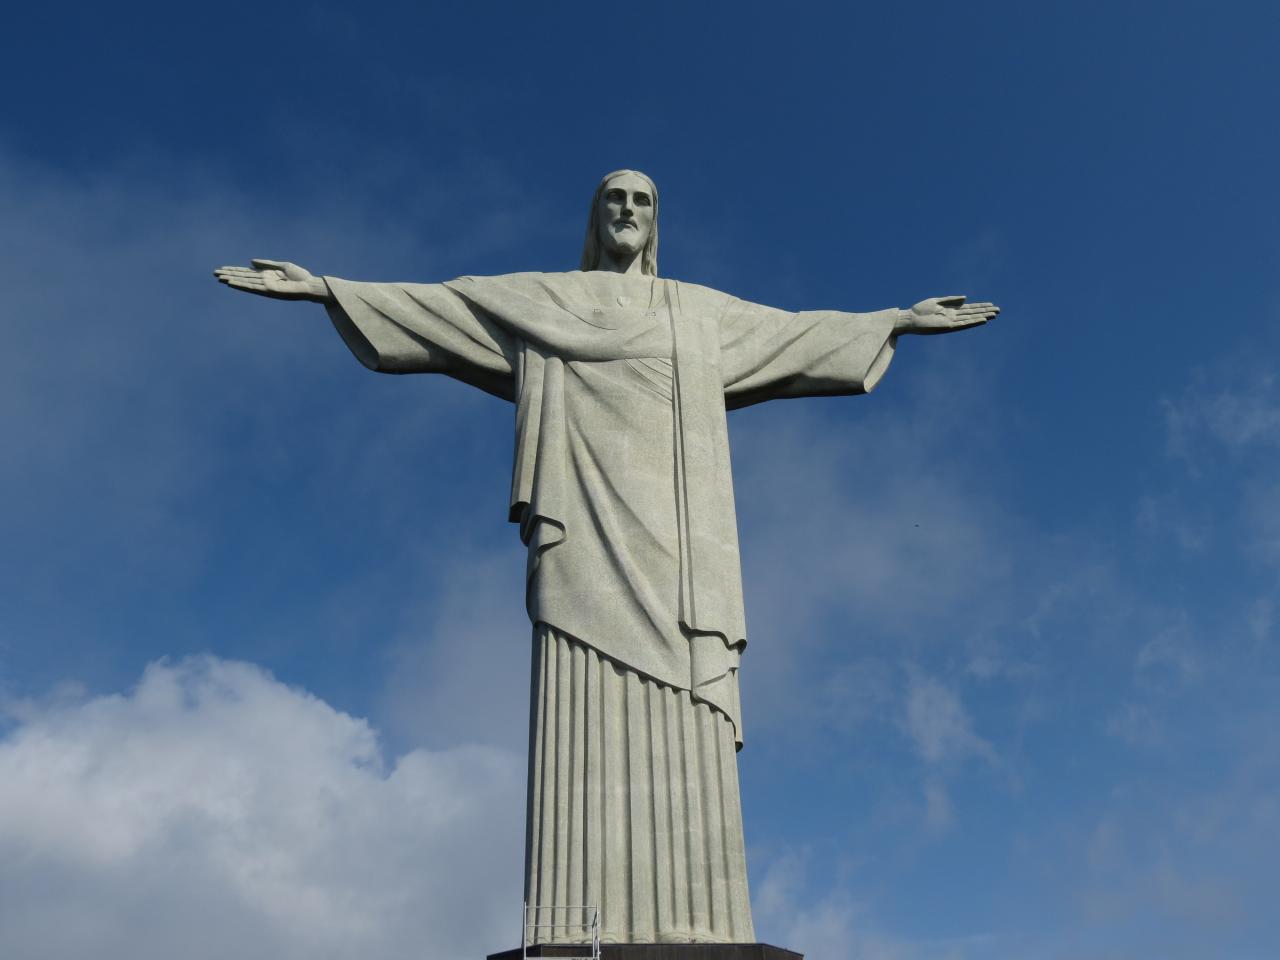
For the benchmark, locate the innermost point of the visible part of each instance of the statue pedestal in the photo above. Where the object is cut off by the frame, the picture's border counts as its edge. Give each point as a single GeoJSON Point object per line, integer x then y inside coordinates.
{"type": "Point", "coordinates": [657, 951]}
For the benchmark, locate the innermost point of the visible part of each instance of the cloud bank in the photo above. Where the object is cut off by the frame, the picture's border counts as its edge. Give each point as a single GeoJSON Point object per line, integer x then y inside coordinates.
{"type": "Point", "coordinates": [213, 811]}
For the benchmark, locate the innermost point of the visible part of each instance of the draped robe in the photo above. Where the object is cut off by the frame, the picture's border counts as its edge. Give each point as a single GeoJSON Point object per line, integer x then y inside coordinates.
{"type": "Point", "coordinates": [622, 489]}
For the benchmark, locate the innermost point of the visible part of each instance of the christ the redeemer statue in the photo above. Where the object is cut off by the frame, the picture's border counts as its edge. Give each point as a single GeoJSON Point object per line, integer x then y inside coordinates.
{"type": "Point", "coordinates": [623, 493]}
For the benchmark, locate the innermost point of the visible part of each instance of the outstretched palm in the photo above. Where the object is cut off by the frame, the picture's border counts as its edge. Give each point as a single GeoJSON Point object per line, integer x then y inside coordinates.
{"type": "Point", "coordinates": [274, 278]}
{"type": "Point", "coordinates": [944, 314]}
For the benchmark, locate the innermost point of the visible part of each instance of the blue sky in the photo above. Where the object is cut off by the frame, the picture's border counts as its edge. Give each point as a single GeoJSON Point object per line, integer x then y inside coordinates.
{"type": "Point", "coordinates": [1012, 687]}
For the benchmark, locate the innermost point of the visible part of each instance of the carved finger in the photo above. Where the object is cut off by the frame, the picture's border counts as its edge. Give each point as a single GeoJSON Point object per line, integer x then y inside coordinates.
{"type": "Point", "coordinates": [236, 272]}
{"type": "Point", "coordinates": [268, 264]}
{"type": "Point", "coordinates": [252, 286]}
{"type": "Point", "coordinates": [952, 301]}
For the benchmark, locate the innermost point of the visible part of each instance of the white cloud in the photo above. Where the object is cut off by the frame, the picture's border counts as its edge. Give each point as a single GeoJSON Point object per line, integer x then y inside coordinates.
{"type": "Point", "coordinates": [1187, 871]}
{"type": "Point", "coordinates": [937, 806]}
{"type": "Point", "coordinates": [1167, 661]}
{"type": "Point", "coordinates": [1165, 515]}
{"type": "Point", "coordinates": [1165, 668]}
{"type": "Point", "coordinates": [939, 725]}
{"type": "Point", "coordinates": [1137, 725]}
{"type": "Point", "coordinates": [1228, 438]}
{"type": "Point", "coordinates": [1260, 517]}
{"type": "Point", "coordinates": [1260, 618]}
{"type": "Point", "coordinates": [460, 671]}
{"type": "Point", "coordinates": [1232, 407]}
{"type": "Point", "coordinates": [864, 518]}
{"type": "Point", "coordinates": [866, 536]}
{"type": "Point", "coordinates": [1246, 415]}
{"type": "Point", "coordinates": [830, 927]}
{"type": "Point", "coordinates": [213, 811]}
{"type": "Point", "coordinates": [942, 734]}
{"type": "Point", "coordinates": [839, 925]}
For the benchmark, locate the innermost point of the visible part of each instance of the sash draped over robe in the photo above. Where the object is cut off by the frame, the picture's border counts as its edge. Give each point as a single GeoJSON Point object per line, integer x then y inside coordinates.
{"type": "Point", "coordinates": [621, 485]}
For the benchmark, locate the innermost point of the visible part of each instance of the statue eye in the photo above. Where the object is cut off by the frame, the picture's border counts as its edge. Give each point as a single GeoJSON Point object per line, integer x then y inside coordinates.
{"type": "Point", "coordinates": [642, 200]}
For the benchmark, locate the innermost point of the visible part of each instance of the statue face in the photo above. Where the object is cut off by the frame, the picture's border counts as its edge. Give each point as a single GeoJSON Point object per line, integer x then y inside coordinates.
{"type": "Point", "coordinates": [625, 214]}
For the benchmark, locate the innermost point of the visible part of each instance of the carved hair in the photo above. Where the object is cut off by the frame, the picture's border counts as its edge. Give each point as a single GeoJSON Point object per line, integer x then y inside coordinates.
{"type": "Point", "coordinates": [591, 249]}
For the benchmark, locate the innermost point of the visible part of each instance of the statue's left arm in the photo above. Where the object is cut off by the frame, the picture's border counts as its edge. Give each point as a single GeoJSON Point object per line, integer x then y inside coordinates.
{"type": "Point", "coordinates": [769, 354]}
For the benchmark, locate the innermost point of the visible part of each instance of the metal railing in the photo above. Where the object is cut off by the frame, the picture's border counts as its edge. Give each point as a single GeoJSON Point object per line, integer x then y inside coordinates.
{"type": "Point", "coordinates": [588, 919]}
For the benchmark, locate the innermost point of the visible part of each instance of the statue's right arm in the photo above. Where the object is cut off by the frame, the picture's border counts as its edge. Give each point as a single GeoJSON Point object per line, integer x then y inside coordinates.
{"type": "Point", "coordinates": [397, 327]}
{"type": "Point", "coordinates": [276, 279]}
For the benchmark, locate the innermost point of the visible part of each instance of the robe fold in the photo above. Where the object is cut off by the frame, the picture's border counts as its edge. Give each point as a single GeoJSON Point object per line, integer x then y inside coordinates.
{"type": "Point", "coordinates": [621, 481]}
{"type": "Point", "coordinates": [623, 492]}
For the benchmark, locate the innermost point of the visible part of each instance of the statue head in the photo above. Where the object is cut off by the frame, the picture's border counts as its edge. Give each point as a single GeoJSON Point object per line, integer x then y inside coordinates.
{"type": "Point", "coordinates": [623, 218]}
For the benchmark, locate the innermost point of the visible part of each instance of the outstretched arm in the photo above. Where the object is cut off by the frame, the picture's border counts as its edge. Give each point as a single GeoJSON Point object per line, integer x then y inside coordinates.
{"type": "Point", "coordinates": [396, 327]}
{"type": "Point", "coordinates": [769, 354]}
{"type": "Point", "coordinates": [277, 279]}
{"type": "Point", "coordinates": [943, 315]}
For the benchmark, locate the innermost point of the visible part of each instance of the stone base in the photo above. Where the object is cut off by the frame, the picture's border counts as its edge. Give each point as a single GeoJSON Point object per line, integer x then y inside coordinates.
{"type": "Point", "coordinates": [657, 951]}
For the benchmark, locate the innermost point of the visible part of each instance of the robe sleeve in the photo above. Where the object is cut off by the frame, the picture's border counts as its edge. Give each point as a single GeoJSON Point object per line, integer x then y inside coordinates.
{"type": "Point", "coordinates": [769, 354]}
{"type": "Point", "coordinates": [424, 328]}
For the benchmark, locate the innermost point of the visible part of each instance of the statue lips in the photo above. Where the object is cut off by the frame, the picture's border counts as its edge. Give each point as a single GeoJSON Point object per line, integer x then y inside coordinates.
{"type": "Point", "coordinates": [621, 226]}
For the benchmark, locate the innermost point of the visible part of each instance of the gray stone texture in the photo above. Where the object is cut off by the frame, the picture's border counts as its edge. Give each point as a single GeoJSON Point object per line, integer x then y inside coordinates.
{"type": "Point", "coordinates": [623, 493]}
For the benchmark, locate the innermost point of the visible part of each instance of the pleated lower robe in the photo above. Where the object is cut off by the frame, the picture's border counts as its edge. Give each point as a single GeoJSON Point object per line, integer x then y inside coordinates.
{"type": "Point", "coordinates": [633, 806]}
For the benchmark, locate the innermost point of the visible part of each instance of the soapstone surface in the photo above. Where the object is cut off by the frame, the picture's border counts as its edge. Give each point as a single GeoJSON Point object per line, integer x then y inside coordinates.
{"type": "Point", "coordinates": [623, 494]}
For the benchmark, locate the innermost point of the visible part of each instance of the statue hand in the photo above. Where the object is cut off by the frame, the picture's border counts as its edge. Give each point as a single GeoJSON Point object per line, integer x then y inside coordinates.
{"type": "Point", "coordinates": [275, 278]}
{"type": "Point", "coordinates": [944, 314]}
